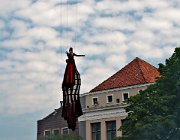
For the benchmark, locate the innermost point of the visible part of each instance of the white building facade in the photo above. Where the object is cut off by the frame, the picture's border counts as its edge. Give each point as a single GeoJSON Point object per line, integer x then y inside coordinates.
{"type": "Point", "coordinates": [104, 106]}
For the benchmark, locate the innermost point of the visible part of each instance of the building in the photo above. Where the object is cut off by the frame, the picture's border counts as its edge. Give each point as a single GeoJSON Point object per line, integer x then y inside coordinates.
{"type": "Point", "coordinates": [53, 124]}
{"type": "Point", "coordinates": [104, 106]}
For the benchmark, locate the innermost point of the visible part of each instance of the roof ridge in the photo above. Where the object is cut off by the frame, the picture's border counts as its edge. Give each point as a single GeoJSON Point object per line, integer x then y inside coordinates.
{"type": "Point", "coordinates": [135, 72]}
{"type": "Point", "coordinates": [138, 61]}
{"type": "Point", "coordinates": [112, 75]}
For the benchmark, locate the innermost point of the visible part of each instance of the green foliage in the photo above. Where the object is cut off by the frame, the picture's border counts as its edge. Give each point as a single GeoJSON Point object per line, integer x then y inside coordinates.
{"type": "Point", "coordinates": [154, 114]}
{"type": "Point", "coordinates": [61, 137]}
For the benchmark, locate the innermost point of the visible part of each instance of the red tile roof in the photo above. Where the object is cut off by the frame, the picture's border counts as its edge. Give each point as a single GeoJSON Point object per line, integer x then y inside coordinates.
{"type": "Point", "coordinates": [136, 72]}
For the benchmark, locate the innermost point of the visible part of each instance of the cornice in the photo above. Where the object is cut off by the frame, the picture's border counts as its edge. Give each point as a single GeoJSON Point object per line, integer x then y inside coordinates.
{"type": "Point", "coordinates": [103, 114]}
{"type": "Point", "coordinates": [115, 89]}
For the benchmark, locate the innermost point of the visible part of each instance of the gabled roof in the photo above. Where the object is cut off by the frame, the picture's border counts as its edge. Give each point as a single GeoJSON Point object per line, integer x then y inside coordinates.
{"type": "Point", "coordinates": [136, 72]}
{"type": "Point", "coordinates": [51, 115]}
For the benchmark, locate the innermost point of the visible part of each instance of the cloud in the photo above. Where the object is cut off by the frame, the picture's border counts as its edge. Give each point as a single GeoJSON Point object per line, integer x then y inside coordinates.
{"type": "Point", "coordinates": [144, 35]}
{"type": "Point", "coordinates": [119, 6]}
{"type": "Point", "coordinates": [17, 43]}
{"type": "Point", "coordinates": [153, 23]}
{"type": "Point", "coordinates": [40, 12]}
{"type": "Point", "coordinates": [170, 14]}
{"type": "Point", "coordinates": [56, 13]}
{"type": "Point", "coordinates": [2, 24]}
{"type": "Point", "coordinates": [97, 70]}
{"type": "Point", "coordinates": [35, 36]}
{"type": "Point", "coordinates": [114, 23]}
{"type": "Point", "coordinates": [12, 6]}
{"type": "Point", "coordinates": [33, 79]}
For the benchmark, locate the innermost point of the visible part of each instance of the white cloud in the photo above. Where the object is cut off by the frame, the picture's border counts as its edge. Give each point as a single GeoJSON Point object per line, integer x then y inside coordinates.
{"type": "Point", "coordinates": [153, 4]}
{"type": "Point", "coordinates": [42, 33]}
{"type": "Point", "coordinates": [4, 34]}
{"type": "Point", "coordinates": [107, 38]}
{"type": "Point", "coordinates": [171, 14]}
{"type": "Point", "coordinates": [19, 24]}
{"type": "Point", "coordinates": [109, 33]}
{"type": "Point", "coordinates": [33, 78]}
{"type": "Point", "coordinates": [27, 88]}
{"type": "Point", "coordinates": [144, 35]}
{"type": "Point", "coordinates": [114, 23]}
{"type": "Point", "coordinates": [156, 23]}
{"type": "Point", "coordinates": [49, 14]}
{"type": "Point", "coordinates": [7, 7]}
{"type": "Point", "coordinates": [35, 35]}
{"type": "Point", "coordinates": [40, 67]}
{"type": "Point", "coordinates": [144, 50]}
{"type": "Point", "coordinates": [18, 103]}
{"type": "Point", "coordinates": [47, 56]}
{"type": "Point", "coordinates": [41, 13]}
{"type": "Point", "coordinates": [112, 6]}
{"type": "Point", "coordinates": [116, 61]}
{"type": "Point", "coordinates": [95, 75]}
{"type": "Point", "coordinates": [2, 24]}
{"type": "Point", "coordinates": [17, 43]}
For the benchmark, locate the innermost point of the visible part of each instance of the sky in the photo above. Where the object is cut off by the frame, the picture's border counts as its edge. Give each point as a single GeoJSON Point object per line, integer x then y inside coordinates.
{"type": "Point", "coordinates": [35, 34]}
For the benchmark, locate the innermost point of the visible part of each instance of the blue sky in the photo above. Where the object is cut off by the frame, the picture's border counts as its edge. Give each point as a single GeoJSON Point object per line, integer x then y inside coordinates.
{"type": "Point", "coordinates": [34, 35]}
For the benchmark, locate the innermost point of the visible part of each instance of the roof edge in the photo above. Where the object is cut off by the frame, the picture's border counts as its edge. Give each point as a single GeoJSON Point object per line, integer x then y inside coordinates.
{"type": "Point", "coordinates": [138, 62]}
{"type": "Point", "coordinates": [115, 89]}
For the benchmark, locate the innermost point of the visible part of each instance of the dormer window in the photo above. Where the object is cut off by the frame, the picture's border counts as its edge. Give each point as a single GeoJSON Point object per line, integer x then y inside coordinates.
{"type": "Point", "coordinates": [95, 101]}
{"type": "Point", "coordinates": [109, 98]}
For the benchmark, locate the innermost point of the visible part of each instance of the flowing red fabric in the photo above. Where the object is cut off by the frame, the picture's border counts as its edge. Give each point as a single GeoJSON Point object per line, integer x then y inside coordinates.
{"type": "Point", "coordinates": [71, 100]}
{"type": "Point", "coordinates": [70, 75]}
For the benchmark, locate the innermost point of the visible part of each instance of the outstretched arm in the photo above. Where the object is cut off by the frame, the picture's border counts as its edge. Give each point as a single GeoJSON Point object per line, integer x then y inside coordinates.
{"type": "Point", "coordinates": [78, 55]}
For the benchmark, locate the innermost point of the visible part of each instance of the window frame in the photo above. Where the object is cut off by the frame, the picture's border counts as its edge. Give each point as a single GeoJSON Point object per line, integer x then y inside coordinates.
{"type": "Point", "coordinates": [93, 100]}
{"type": "Point", "coordinates": [107, 98]}
{"type": "Point", "coordinates": [97, 131]}
{"type": "Point", "coordinates": [47, 137]}
{"type": "Point", "coordinates": [110, 130]}
{"type": "Point", "coordinates": [56, 129]}
{"type": "Point", "coordinates": [63, 131]}
{"type": "Point", "coordinates": [123, 95]}
{"type": "Point", "coordinates": [122, 121]}
{"type": "Point", "coordinates": [47, 130]}
{"type": "Point", "coordinates": [118, 101]}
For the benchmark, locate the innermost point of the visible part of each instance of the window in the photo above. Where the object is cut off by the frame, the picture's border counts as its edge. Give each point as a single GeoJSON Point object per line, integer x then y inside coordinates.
{"type": "Point", "coordinates": [109, 98]}
{"type": "Point", "coordinates": [125, 96]}
{"type": "Point", "coordinates": [47, 135]}
{"type": "Point", "coordinates": [65, 131]}
{"type": "Point", "coordinates": [117, 101]}
{"type": "Point", "coordinates": [94, 101]}
{"type": "Point", "coordinates": [56, 132]}
{"type": "Point", "coordinates": [124, 122]}
{"type": "Point", "coordinates": [140, 91]}
{"type": "Point", "coordinates": [96, 131]}
{"type": "Point", "coordinates": [111, 129]}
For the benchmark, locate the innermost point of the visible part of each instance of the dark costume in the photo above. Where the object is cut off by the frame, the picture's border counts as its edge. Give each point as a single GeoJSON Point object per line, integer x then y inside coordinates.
{"type": "Point", "coordinates": [71, 87]}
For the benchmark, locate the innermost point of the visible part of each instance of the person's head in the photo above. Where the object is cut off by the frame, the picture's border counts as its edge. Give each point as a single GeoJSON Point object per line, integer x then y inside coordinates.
{"type": "Point", "coordinates": [71, 49]}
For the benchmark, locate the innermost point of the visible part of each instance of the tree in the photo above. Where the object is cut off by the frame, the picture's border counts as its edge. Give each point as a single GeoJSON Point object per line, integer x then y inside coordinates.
{"type": "Point", "coordinates": [154, 114]}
